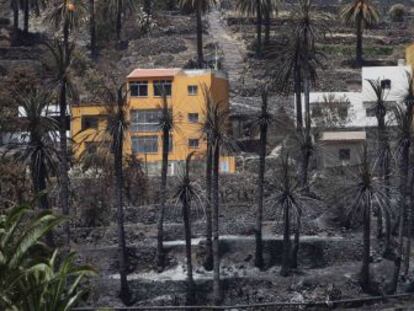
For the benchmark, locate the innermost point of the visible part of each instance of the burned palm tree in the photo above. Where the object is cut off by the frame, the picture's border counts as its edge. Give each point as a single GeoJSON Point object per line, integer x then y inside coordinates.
{"type": "Point", "coordinates": [363, 13]}
{"type": "Point", "coordinates": [289, 195]}
{"type": "Point", "coordinates": [187, 192]}
{"type": "Point", "coordinates": [263, 122]}
{"type": "Point", "coordinates": [112, 137]}
{"type": "Point", "coordinates": [166, 124]}
{"type": "Point", "coordinates": [61, 63]}
{"type": "Point", "coordinates": [215, 128]}
{"type": "Point", "coordinates": [119, 9]}
{"type": "Point", "coordinates": [403, 115]}
{"type": "Point", "coordinates": [383, 147]}
{"type": "Point", "coordinates": [362, 191]}
{"type": "Point", "coordinates": [200, 7]}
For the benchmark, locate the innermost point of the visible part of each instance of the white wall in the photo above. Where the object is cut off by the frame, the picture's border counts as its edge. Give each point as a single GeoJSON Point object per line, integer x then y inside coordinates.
{"type": "Point", "coordinates": [357, 112]}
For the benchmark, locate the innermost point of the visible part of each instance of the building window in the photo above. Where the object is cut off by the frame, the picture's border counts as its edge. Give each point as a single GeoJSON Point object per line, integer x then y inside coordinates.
{"type": "Point", "coordinates": [139, 88]}
{"type": "Point", "coordinates": [145, 144]}
{"type": "Point", "coordinates": [371, 112]}
{"type": "Point", "coordinates": [224, 167]}
{"type": "Point", "coordinates": [162, 88]}
{"type": "Point", "coordinates": [386, 84]}
{"type": "Point", "coordinates": [192, 90]}
{"type": "Point", "coordinates": [193, 117]}
{"type": "Point", "coordinates": [316, 111]}
{"type": "Point", "coordinates": [193, 143]}
{"type": "Point", "coordinates": [90, 122]}
{"type": "Point", "coordinates": [343, 112]}
{"type": "Point", "coordinates": [344, 154]}
{"type": "Point", "coordinates": [146, 120]}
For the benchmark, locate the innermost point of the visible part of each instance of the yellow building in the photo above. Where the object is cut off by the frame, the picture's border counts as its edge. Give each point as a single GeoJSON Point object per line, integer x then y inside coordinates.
{"type": "Point", "coordinates": [185, 97]}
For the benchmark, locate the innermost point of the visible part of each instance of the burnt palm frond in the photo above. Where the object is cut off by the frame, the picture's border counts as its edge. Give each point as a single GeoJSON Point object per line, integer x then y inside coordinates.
{"type": "Point", "coordinates": [71, 12]}
{"type": "Point", "coordinates": [215, 126]}
{"type": "Point", "coordinates": [249, 7]}
{"type": "Point", "coordinates": [299, 55]}
{"type": "Point", "coordinates": [364, 9]}
{"type": "Point", "coordinates": [287, 189]}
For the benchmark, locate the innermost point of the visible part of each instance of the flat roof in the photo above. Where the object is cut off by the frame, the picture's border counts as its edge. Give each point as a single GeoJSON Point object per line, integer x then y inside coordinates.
{"type": "Point", "coordinates": [344, 136]}
{"type": "Point", "coordinates": [153, 73]}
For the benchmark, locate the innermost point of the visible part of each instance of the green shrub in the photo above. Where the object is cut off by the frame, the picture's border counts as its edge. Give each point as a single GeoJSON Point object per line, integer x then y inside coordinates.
{"type": "Point", "coordinates": [397, 12]}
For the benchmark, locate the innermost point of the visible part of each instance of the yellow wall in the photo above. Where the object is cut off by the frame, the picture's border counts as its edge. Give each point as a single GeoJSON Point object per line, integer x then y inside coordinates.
{"type": "Point", "coordinates": [409, 55]}
{"type": "Point", "coordinates": [181, 103]}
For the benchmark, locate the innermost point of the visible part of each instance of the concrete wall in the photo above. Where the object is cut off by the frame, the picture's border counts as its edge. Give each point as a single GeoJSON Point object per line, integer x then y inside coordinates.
{"type": "Point", "coordinates": [329, 154]}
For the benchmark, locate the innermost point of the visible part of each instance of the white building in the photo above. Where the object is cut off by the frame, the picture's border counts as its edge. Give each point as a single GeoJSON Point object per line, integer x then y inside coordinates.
{"type": "Point", "coordinates": [345, 117]}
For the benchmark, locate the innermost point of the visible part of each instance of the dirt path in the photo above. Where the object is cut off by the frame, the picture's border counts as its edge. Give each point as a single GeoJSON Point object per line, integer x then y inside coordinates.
{"type": "Point", "coordinates": [233, 50]}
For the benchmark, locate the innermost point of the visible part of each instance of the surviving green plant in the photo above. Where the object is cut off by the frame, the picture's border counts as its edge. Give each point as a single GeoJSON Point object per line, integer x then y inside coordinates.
{"type": "Point", "coordinates": [31, 277]}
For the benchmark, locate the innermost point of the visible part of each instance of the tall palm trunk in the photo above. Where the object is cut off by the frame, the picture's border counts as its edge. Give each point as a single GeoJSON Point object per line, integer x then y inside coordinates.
{"type": "Point", "coordinates": [365, 273]}
{"type": "Point", "coordinates": [306, 148]}
{"type": "Point", "coordinates": [404, 166]}
{"type": "Point", "coordinates": [200, 55]}
{"type": "Point", "coordinates": [409, 227]}
{"type": "Point", "coordinates": [268, 22]}
{"type": "Point", "coordinates": [383, 151]}
{"type": "Point", "coordinates": [295, 247]}
{"type": "Point", "coordinates": [284, 271]}
{"type": "Point", "coordinates": [216, 247]}
{"type": "Point", "coordinates": [39, 176]}
{"type": "Point", "coordinates": [15, 8]}
{"type": "Point", "coordinates": [119, 205]}
{"type": "Point", "coordinates": [26, 10]}
{"type": "Point", "coordinates": [119, 20]}
{"type": "Point", "coordinates": [163, 198]}
{"type": "Point", "coordinates": [359, 52]}
{"type": "Point", "coordinates": [298, 96]}
{"type": "Point", "coordinates": [259, 22]}
{"type": "Point", "coordinates": [260, 186]}
{"type": "Point", "coordinates": [208, 264]}
{"type": "Point", "coordinates": [63, 163]}
{"type": "Point", "coordinates": [92, 25]}
{"type": "Point", "coordinates": [187, 233]}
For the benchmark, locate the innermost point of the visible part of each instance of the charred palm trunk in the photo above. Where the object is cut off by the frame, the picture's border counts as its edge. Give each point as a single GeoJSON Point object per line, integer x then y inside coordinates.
{"type": "Point", "coordinates": [216, 246]}
{"type": "Point", "coordinates": [295, 247]}
{"type": "Point", "coordinates": [163, 197]}
{"type": "Point", "coordinates": [39, 176]}
{"type": "Point", "coordinates": [284, 271]}
{"type": "Point", "coordinates": [365, 270]}
{"type": "Point", "coordinates": [298, 97]}
{"type": "Point", "coordinates": [260, 186]}
{"type": "Point", "coordinates": [359, 52]}
{"type": "Point", "coordinates": [187, 232]}
{"type": "Point", "coordinates": [402, 214]}
{"type": "Point", "coordinates": [259, 22]}
{"type": "Point", "coordinates": [384, 170]}
{"type": "Point", "coordinates": [200, 55]}
{"type": "Point", "coordinates": [208, 264]}
{"type": "Point", "coordinates": [63, 163]}
{"type": "Point", "coordinates": [119, 20]}
{"type": "Point", "coordinates": [409, 227]}
{"type": "Point", "coordinates": [92, 30]}
{"type": "Point", "coordinates": [15, 8]}
{"type": "Point", "coordinates": [26, 16]}
{"type": "Point", "coordinates": [307, 143]}
{"type": "Point", "coordinates": [119, 205]}
{"type": "Point", "coordinates": [268, 22]}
